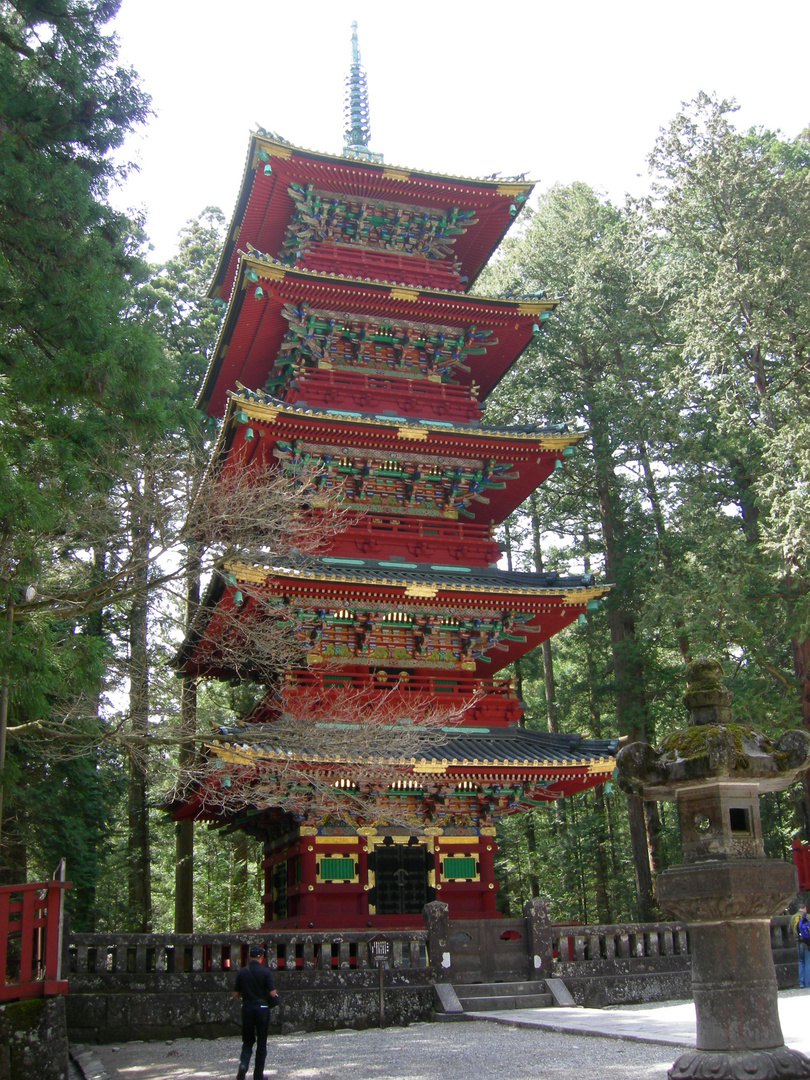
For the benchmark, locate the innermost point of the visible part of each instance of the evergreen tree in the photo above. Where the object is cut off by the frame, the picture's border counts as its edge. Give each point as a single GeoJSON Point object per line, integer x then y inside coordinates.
{"type": "Point", "coordinates": [730, 216]}
{"type": "Point", "coordinates": [594, 365]}
{"type": "Point", "coordinates": [82, 380]}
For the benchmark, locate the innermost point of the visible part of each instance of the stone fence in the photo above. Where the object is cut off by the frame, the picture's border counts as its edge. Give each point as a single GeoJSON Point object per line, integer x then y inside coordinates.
{"type": "Point", "coordinates": [157, 986]}
{"type": "Point", "coordinates": [309, 954]}
{"type": "Point", "coordinates": [126, 986]}
{"type": "Point", "coordinates": [639, 962]}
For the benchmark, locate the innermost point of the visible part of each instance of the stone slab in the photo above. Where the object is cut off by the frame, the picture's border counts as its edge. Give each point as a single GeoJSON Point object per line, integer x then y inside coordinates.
{"type": "Point", "coordinates": [447, 998]}
{"type": "Point", "coordinates": [561, 994]}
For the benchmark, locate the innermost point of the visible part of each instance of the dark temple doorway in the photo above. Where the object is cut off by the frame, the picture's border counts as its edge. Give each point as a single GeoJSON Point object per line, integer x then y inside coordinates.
{"type": "Point", "coordinates": [401, 879]}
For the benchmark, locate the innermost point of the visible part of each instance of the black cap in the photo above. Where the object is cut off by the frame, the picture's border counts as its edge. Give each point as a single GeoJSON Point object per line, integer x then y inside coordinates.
{"type": "Point", "coordinates": [257, 950]}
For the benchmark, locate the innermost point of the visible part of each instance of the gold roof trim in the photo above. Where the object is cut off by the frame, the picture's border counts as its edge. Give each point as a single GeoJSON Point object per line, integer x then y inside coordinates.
{"type": "Point", "coordinates": [393, 172]}
{"type": "Point", "coordinates": [427, 590]}
{"type": "Point", "coordinates": [511, 189]}
{"type": "Point", "coordinates": [408, 431]}
{"type": "Point", "coordinates": [260, 262]}
{"type": "Point", "coordinates": [260, 411]}
{"type": "Point", "coordinates": [269, 271]}
{"type": "Point", "coordinates": [271, 147]}
{"type": "Point", "coordinates": [604, 765]}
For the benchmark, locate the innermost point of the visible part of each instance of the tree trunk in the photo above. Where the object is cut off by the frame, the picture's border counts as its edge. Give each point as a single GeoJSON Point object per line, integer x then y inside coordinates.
{"type": "Point", "coordinates": [600, 854]}
{"type": "Point", "coordinates": [600, 858]}
{"type": "Point", "coordinates": [138, 849]}
{"type": "Point", "coordinates": [548, 663]}
{"type": "Point", "coordinates": [184, 830]}
{"type": "Point", "coordinates": [663, 535]}
{"type": "Point", "coordinates": [631, 705]}
{"type": "Point", "coordinates": [531, 848]}
{"type": "Point", "coordinates": [641, 858]}
{"type": "Point", "coordinates": [516, 665]}
{"type": "Point", "coordinates": [801, 668]}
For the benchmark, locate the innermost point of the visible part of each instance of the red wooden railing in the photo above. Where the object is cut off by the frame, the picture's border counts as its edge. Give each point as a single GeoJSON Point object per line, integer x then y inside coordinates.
{"type": "Point", "coordinates": [31, 940]}
{"type": "Point", "coordinates": [801, 860]}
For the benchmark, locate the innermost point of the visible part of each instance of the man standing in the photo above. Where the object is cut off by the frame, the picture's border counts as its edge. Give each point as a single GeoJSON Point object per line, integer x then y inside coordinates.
{"type": "Point", "coordinates": [803, 936]}
{"type": "Point", "coordinates": [254, 984]}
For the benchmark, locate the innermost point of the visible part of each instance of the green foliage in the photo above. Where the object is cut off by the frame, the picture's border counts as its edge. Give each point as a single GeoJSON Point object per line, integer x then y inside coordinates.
{"type": "Point", "coordinates": [73, 822]}
{"type": "Point", "coordinates": [681, 344]}
{"type": "Point", "coordinates": [95, 401]}
{"type": "Point", "coordinates": [175, 295]}
{"type": "Point", "coordinates": [228, 881]}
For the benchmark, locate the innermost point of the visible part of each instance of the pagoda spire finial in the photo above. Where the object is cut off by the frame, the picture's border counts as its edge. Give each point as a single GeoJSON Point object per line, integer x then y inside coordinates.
{"type": "Point", "coordinates": [356, 109]}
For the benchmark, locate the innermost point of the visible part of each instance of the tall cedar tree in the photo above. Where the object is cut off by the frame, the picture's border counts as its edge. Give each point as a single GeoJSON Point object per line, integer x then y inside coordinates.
{"type": "Point", "coordinates": [593, 366]}
{"type": "Point", "coordinates": [83, 381]}
{"type": "Point", "coordinates": [188, 323]}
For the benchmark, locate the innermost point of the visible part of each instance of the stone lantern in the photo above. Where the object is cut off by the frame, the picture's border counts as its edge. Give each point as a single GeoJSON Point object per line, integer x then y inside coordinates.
{"type": "Point", "coordinates": [726, 890]}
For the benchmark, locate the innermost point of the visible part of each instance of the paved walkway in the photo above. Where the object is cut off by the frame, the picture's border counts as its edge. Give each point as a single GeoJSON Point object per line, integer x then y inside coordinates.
{"type": "Point", "coordinates": [666, 1023]}
{"type": "Point", "coordinates": [622, 1043]}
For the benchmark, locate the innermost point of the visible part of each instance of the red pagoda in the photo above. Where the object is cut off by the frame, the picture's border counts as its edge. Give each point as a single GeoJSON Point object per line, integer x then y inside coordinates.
{"type": "Point", "coordinates": [351, 343]}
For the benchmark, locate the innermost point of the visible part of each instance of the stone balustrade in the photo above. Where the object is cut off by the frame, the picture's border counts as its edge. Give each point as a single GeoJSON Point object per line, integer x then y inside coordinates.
{"type": "Point", "coordinates": [574, 944]}
{"type": "Point", "coordinates": [638, 962]}
{"type": "Point", "coordinates": [91, 954]}
{"type": "Point", "coordinates": [587, 944]}
{"type": "Point", "coordinates": [156, 985]}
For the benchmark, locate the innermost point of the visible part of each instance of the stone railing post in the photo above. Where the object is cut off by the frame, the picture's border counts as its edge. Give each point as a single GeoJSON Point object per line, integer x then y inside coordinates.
{"type": "Point", "coordinates": [437, 923]}
{"type": "Point", "coordinates": [540, 945]}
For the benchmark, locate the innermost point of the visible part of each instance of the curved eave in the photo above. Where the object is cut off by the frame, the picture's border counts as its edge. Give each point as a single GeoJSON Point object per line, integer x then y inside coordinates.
{"type": "Point", "coordinates": [405, 430]}
{"type": "Point", "coordinates": [423, 582]}
{"type": "Point", "coordinates": [535, 452]}
{"type": "Point", "coordinates": [263, 206]}
{"type": "Point", "coordinates": [518, 769]}
{"type": "Point", "coordinates": [545, 604]}
{"type": "Point", "coordinates": [253, 329]}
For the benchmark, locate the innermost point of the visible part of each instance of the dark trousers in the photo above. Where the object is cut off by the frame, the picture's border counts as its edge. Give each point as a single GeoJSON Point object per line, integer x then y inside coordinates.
{"type": "Point", "coordinates": [255, 1022]}
{"type": "Point", "coordinates": [804, 964]}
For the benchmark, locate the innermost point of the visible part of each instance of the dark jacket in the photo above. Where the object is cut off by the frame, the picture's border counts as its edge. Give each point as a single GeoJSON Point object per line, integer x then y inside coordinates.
{"type": "Point", "coordinates": [254, 983]}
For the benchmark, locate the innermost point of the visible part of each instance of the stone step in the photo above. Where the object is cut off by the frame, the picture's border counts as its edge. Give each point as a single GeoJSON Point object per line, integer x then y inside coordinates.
{"type": "Point", "coordinates": [499, 989]}
{"type": "Point", "coordinates": [506, 1001]}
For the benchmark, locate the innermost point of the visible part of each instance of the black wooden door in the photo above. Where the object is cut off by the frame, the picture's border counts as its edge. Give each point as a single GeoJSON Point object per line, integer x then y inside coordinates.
{"type": "Point", "coordinates": [400, 879]}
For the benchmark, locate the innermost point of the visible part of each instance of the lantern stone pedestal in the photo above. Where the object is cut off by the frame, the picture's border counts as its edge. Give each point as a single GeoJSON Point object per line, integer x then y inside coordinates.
{"type": "Point", "coordinates": [726, 891]}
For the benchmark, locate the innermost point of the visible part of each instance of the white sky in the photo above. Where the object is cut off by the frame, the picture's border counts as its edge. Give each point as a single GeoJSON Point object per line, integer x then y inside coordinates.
{"type": "Point", "coordinates": [573, 91]}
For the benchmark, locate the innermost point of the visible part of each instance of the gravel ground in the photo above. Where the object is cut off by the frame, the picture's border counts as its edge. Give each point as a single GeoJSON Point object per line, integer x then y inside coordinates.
{"type": "Point", "coordinates": [475, 1050]}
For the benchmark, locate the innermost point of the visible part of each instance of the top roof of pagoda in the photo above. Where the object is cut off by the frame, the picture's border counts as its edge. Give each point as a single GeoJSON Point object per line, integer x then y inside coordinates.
{"type": "Point", "coordinates": [264, 206]}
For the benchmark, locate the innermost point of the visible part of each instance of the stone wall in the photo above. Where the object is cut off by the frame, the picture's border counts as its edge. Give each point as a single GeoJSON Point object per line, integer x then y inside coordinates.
{"type": "Point", "coordinates": [633, 963]}
{"type": "Point", "coordinates": [202, 1007]}
{"type": "Point", "coordinates": [135, 986]}
{"type": "Point", "coordinates": [33, 1039]}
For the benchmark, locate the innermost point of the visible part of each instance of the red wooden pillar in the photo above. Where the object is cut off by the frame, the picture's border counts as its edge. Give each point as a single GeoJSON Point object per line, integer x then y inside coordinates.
{"type": "Point", "coordinates": [5, 898]}
{"type": "Point", "coordinates": [27, 935]}
{"type": "Point", "coordinates": [307, 898]}
{"type": "Point", "coordinates": [486, 862]}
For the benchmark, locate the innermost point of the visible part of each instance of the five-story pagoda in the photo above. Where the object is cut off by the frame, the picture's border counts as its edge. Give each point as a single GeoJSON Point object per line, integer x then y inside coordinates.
{"type": "Point", "coordinates": [351, 344]}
